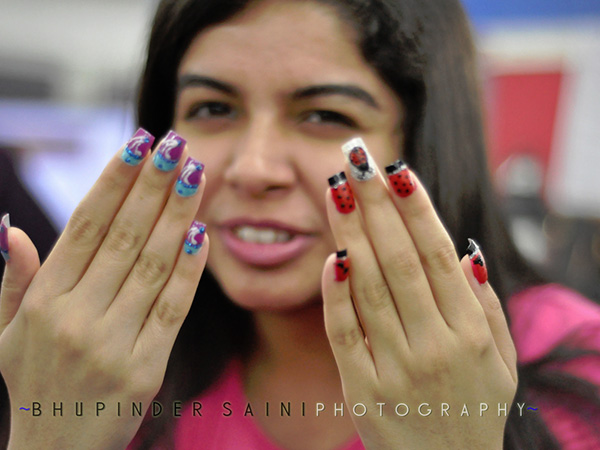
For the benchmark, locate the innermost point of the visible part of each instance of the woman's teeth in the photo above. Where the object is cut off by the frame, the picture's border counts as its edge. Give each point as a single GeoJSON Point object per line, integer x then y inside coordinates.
{"type": "Point", "coordinates": [261, 235]}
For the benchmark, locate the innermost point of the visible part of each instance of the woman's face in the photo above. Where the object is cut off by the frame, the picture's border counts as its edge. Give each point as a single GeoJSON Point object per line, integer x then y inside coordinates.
{"type": "Point", "coordinates": [265, 101]}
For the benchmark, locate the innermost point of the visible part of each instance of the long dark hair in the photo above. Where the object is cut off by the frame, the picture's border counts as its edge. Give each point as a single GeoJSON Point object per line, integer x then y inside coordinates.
{"type": "Point", "coordinates": [424, 51]}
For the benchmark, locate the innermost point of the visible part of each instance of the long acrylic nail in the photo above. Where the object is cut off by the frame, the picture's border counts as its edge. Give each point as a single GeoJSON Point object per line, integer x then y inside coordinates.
{"type": "Point", "coordinates": [477, 261]}
{"type": "Point", "coordinates": [362, 166]}
{"type": "Point", "coordinates": [194, 238]}
{"type": "Point", "coordinates": [189, 178]}
{"type": "Point", "coordinates": [342, 265]}
{"type": "Point", "coordinates": [342, 193]}
{"type": "Point", "coordinates": [169, 152]}
{"type": "Point", "coordinates": [400, 178]}
{"type": "Point", "coordinates": [137, 147]}
{"type": "Point", "coordinates": [4, 226]}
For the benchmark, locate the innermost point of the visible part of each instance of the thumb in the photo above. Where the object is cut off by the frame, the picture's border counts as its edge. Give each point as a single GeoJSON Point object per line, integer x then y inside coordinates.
{"type": "Point", "coordinates": [22, 263]}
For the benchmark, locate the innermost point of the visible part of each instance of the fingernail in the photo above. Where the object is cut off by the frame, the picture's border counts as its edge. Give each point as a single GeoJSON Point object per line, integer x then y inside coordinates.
{"type": "Point", "coordinates": [342, 193]}
{"type": "Point", "coordinates": [189, 178]}
{"type": "Point", "coordinates": [4, 226]}
{"type": "Point", "coordinates": [400, 178]}
{"type": "Point", "coordinates": [477, 261]}
{"type": "Point", "coordinates": [342, 265]}
{"type": "Point", "coordinates": [362, 166]}
{"type": "Point", "coordinates": [169, 152]}
{"type": "Point", "coordinates": [194, 238]}
{"type": "Point", "coordinates": [137, 147]}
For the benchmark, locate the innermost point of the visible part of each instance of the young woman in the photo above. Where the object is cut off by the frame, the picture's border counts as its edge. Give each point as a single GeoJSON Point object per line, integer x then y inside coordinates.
{"type": "Point", "coordinates": [393, 329]}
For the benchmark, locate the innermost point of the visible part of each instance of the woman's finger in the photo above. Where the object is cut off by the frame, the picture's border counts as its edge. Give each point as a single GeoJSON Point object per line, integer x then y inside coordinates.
{"type": "Point", "coordinates": [341, 323]}
{"type": "Point", "coordinates": [475, 271]}
{"type": "Point", "coordinates": [22, 263]}
{"type": "Point", "coordinates": [397, 257]}
{"type": "Point", "coordinates": [435, 247]}
{"type": "Point", "coordinates": [370, 291]}
{"type": "Point", "coordinates": [156, 338]}
{"type": "Point", "coordinates": [88, 225]}
{"type": "Point", "coordinates": [157, 259]}
{"type": "Point", "coordinates": [133, 224]}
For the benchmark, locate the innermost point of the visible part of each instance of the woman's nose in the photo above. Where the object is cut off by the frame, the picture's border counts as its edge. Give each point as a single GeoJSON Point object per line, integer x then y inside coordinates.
{"type": "Point", "coordinates": [261, 161]}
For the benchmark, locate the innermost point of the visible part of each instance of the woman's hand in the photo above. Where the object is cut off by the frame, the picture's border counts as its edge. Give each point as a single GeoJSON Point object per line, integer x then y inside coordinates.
{"type": "Point", "coordinates": [411, 325]}
{"type": "Point", "coordinates": [95, 324]}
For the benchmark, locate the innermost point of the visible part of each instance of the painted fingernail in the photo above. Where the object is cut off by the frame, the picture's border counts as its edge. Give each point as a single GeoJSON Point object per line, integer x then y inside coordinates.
{"type": "Point", "coordinates": [342, 193]}
{"type": "Point", "coordinates": [400, 178]}
{"type": "Point", "coordinates": [169, 152]}
{"type": "Point", "coordinates": [194, 238]}
{"type": "Point", "coordinates": [342, 265]}
{"type": "Point", "coordinates": [4, 226]}
{"type": "Point", "coordinates": [189, 178]}
{"type": "Point", "coordinates": [137, 147]}
{"type": "Point", "coordinates": [477, 261]}
{"type": "Point", "coordinates": [362, 166]}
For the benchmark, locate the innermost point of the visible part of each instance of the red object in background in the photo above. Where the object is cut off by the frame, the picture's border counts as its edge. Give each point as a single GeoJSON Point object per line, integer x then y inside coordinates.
{"type": "Point", "coordinates": [522, 114]}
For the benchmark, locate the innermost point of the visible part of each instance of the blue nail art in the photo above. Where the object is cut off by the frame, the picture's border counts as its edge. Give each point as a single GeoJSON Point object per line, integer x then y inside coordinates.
{"type": "Point", "coordinates": [137, 147]}
{"type": "Point", "coordinates": [189, 178]}
{"type": "Point", "coordinates": [4, 226]}
{"type": "Point", "coordinates": [194, 238]}
{"type": "Point", "coordinates": [169, 152]}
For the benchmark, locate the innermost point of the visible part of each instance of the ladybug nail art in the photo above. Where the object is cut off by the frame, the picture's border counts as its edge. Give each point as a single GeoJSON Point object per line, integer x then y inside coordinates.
{"type": "Point", "coordinates": [477, 261]}
{"type": "Point", "coordinates": [362, 166]}
{"type": "Point", "coordinates": [342, 193]}
{"type": "Point", "coordinates": [400, 179]}
{"type": "Point", "coordinates": [342, 265]}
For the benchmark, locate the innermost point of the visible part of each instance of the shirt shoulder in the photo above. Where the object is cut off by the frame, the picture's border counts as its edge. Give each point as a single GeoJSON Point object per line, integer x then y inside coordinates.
{"type": "Point", "coordinates": [543, 317]}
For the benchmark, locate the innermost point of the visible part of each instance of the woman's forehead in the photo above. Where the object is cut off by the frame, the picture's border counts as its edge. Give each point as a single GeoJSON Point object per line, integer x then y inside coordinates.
{"type": "Point", "coordinates": [305, 42]}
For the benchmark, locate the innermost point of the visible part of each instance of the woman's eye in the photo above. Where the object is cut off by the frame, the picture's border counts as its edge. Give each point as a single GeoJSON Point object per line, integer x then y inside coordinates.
{"type": "Point", "coordinates": [210, 110]}
{"type": "Point", "coordinates": [330, 118]}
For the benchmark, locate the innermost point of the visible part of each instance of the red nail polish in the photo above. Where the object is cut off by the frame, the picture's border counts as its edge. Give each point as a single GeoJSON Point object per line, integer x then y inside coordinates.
{"type": "Point", "coordinates": [342, 193]}
{"type": "Point", "coordinates": [477, 262]}
{"type": "Point", "coordinates": [400, 179]}
{"type": "Point", "coordinates": [342, 265]}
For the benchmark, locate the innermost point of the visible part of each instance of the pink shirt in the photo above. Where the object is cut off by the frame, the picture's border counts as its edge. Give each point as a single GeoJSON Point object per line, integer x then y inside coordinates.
{"type": "Point", "coordinates": [541, 318]}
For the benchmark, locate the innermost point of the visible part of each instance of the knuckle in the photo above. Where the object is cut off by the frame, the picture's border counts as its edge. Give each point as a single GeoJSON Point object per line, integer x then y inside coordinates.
{"type": "Point", "coordinates": [122, 238]}
{"type": "Point", "coordinates": [406, 264]}
{"type": "Point", "coordinates": [82, 229]}
{"type": "Point", "coordinates": [376, 294]}
{"type": "Point", "coordinates": [70, 340]}
{"type": "Point", "coordinates": [150, 269]}
{"type": "Point", "coordinates": [346, 337]}
{"type": "Point", "coordinates": [477, 344]}
{"type": "Point", "coordinates": [170, 312]}
{"type": "Point", "coordinates": [442, 259]}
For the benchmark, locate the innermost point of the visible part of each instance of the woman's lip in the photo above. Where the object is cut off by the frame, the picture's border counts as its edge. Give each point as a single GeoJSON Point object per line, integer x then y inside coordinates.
{"type": "Point", "coordinates": [263, 223]}
{"type": "Point", "coordinates": [264, 255]}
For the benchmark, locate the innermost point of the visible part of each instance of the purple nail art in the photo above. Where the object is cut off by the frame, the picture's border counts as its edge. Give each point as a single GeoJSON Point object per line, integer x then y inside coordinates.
{"type": "Point", "coordinates": [189, 178]}
{"type": "Point", "coordinates": [194, 238]}
{"type": "Point", "coordinates": [169, 152]}
{"type": "Point", "coordinates": [137, 147]}
{"type": "Point", "coordinates": [4, 226]}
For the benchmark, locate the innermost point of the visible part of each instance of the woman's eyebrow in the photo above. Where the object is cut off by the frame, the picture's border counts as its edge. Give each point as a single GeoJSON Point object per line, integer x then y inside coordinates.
{"type": "Point", "coordinates": [193, 80]}
{"type": "Point", "coordinates": [348, 90]}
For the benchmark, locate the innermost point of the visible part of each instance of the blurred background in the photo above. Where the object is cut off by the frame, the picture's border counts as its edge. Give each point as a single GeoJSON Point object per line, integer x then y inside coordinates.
{"type": "Point", "coordinates": [68, 74]}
